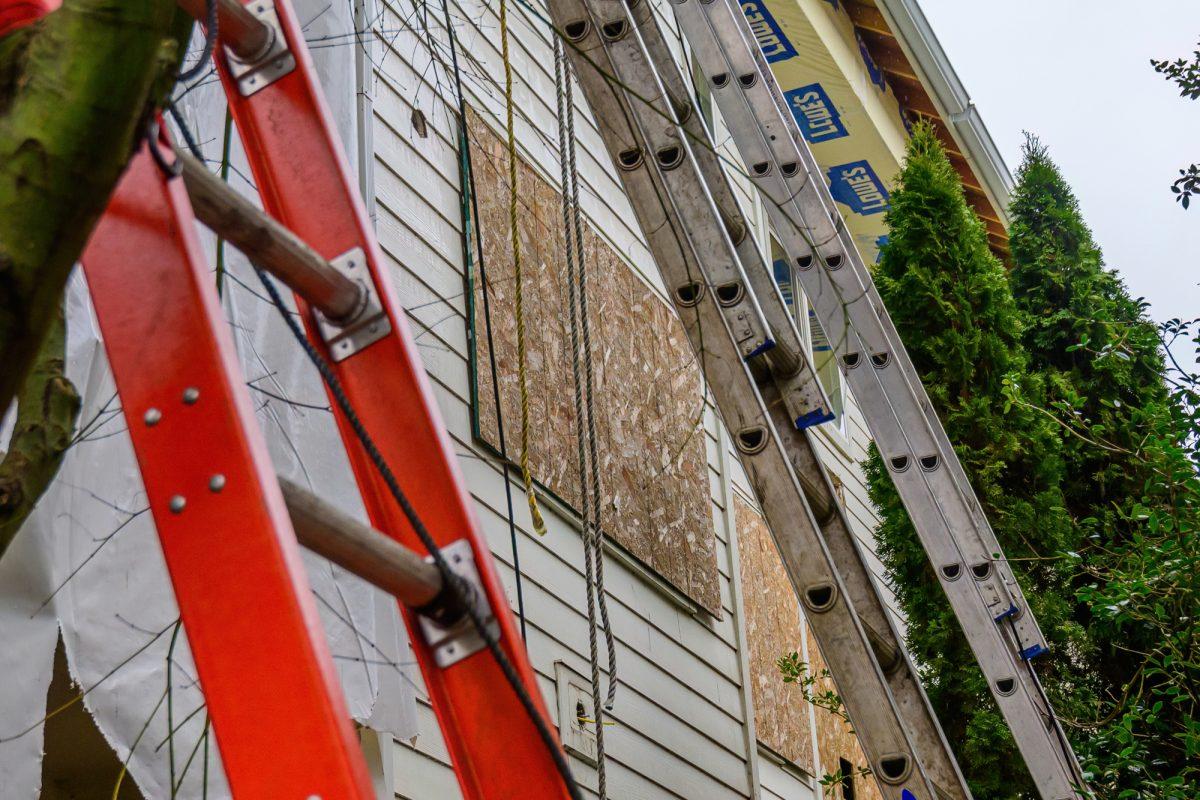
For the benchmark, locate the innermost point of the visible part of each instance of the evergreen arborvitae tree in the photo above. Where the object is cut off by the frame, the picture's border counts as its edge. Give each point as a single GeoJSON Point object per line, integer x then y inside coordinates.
{"type": "Point", "coordinates": [1094, 344]}
{"type": "Point", "coordinates": [1102, 367]}
{"type": "Point", "coordinates": [952, 305]}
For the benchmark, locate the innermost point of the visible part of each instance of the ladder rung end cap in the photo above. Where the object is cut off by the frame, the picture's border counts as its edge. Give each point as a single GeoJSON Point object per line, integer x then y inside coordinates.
{"type": "Point", "coordinates": [1030, 653]}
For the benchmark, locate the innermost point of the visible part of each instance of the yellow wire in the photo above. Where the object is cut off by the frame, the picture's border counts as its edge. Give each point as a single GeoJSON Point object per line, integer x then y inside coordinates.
{"type": "Point", "coordinates": [539, 526]}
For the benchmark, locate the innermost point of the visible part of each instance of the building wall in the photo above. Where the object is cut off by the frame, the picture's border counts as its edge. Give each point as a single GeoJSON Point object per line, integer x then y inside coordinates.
{"type": "Point", "coordinates": [685, 711]}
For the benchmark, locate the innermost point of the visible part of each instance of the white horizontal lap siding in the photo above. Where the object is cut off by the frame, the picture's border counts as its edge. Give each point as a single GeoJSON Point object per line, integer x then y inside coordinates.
{"type": "Point", "coordinates": [779, 783]}
{"type": "Point", "coordinates": [679, 711]}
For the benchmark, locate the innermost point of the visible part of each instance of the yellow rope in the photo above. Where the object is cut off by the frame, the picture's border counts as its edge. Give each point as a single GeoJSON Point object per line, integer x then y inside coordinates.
{"type": "Point", "coordinates": [539, 526]}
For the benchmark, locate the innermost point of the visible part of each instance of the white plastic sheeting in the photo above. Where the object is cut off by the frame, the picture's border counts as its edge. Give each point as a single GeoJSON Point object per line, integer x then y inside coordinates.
{"type": "Point", "coordinates": [88, 562]}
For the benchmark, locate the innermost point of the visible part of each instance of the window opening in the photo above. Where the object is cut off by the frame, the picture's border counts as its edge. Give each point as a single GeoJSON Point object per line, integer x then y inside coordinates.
{"type": "Point", "coordinates": [846, 771]}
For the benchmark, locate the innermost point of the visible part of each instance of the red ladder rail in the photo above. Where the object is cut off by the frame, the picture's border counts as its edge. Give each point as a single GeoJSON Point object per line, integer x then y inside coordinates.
{"type": "Point", "coordinates": [269, 682]}
{"type": "Point", "coordinates": [304, 181]}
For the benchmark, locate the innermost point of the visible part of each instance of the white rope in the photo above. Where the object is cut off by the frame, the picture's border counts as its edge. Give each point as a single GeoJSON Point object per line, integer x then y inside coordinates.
{"type": "Point", "coordinates": [585, 428]}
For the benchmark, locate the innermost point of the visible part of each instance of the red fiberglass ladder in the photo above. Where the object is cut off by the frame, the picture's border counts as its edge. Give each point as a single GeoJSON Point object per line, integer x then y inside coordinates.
{"type": "Point", "coordinates": [222, 518]}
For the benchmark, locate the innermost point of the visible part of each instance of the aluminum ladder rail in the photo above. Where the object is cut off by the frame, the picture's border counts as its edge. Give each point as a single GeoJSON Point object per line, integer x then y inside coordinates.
{"type": "Point", "coordinates": [923, 726]}
{"type": "Point", "coordinates": [649, 151]}
{"type": "Point", "coordinates": [989, 604]}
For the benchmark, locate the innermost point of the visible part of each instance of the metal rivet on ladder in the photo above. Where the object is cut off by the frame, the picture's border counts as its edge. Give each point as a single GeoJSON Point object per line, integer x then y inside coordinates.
{"type": "Point", "coordinates": [894, 768]}
{"type": "Point", "coordinates": [981, 571]}
{"type": "Point", "coordinates": [1006, 686]}
{"type": "Point", "coordinates": [177, 503]}
{"type": "Point", "coordinates": [880, 360]}
{"type": "Point", "coordinates": [216, 483]}
{"type": "Point", "coordinates": [804, 262]}
{"type": "Point", "coordinates": [670, 157]}
{"type": "Point", "coordinates": [630, 159]}
{"type": "Point", "coordinates": [575, 31]}
{"type": "Point", "coordinates": [952, 571]}
{"type": "Point", "coordinates": [191, 395]}
{"type": "Point", "coordinates": [820, 597]}
{"type": "Point", "coordinates": [689, 294]}
{"type": "Point", "coordinates": [747, 80]}
{"type": "Point", "coordinates": [761, 168]}
{"type": "Point", "coordinates": [729, 294]}
{"type": "Point", "coordinates": [789, 169]}
{"type": "Point", "coordinates": [929, 463]}
{"type": "Point", "coordinates": [851, 360]}
{"type": "Point", "coordinates": [752, 440]}
{"type": "Point", "coordinates": [834, 261]}
{"type": "Point", "coordinates": [720, 79]}
{"type": "Point", "coordinates": [899, 463]}
{"type": "Point", "coordinates": [152, 417]}
{"type": "Point", "coordinates": [615, 30]}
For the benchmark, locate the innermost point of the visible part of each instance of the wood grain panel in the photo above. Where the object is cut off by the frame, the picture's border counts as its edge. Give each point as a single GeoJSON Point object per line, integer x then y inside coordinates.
{"type": "Point", "coordinates": [655, 498]}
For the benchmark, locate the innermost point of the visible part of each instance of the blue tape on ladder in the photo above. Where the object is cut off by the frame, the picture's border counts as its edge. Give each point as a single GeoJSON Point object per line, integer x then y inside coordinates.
{"type": "Point", "coordinates": [818, 416]}
{"type": "Point", "coordinates": [1030, 653]}
{"type": "Point", "coordinates": [762, 348]}
{"type": "Point", "coordinates": [1012, 610]}
{"type": "Point", "coordinates": [907, 795]}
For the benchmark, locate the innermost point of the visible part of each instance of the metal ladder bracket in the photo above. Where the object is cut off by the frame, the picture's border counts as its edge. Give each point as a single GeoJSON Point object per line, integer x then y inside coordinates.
{"type": "Point", "coordinates": [452, 643]}
{"type": "Point", "coordinates": [369, 324]}
{"type": "Point", "coordinates": [278, 61]}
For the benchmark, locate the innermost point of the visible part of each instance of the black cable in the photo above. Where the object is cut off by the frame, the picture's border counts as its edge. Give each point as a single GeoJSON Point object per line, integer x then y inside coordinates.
{"type": "Point", "coordinates": [448, 576]}
{"type": "Point", "coordinates": [211, 25]}
{"type": "Point", "coordinates": [466, 165]}
{"type": "Point", "coordinates": [172, 169]}
{"type": "Point", "coordinates": [462, 591]}
{"type": "Point", "coordinates": [184, 132]}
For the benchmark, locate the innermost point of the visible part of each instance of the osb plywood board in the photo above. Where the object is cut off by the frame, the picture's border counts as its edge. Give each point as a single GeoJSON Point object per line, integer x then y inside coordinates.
{"type": "Point", "coordinates": [835, 736]}
{"type": "Point", "coordinates": [774, 628]}
{"type": "Point", "coordinates": [647, 386]}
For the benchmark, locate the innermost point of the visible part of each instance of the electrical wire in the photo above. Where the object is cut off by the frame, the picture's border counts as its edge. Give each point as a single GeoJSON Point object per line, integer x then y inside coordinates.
{"type": "Point", "coordinates": [461, 591]}
{"type": "Point", "coordinates": [470, 217]}
{"type": "Point", "coordinates": [211, 29]}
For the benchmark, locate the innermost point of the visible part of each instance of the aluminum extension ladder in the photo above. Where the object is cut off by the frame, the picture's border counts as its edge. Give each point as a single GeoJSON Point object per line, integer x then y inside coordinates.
{"type": "Point", "coordinates": [703, 247]}
{"type": "Point", "coordinates": [270, 685]}
{"type": "Point", "coordinates": [646, 117]}
{"type": "Point", "coordinates": [985, 596]}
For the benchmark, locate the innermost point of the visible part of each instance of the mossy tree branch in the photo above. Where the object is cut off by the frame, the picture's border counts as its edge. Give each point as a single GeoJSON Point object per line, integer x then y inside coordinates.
{"type": "Point", "coordinates": [75, 92]}
{"type": "Point", "coordinates": [46, 412]}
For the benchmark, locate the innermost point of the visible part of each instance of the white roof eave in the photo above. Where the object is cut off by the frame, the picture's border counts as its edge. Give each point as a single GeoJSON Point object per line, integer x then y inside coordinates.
{"type": "Point", "coordinates": [912, 30]}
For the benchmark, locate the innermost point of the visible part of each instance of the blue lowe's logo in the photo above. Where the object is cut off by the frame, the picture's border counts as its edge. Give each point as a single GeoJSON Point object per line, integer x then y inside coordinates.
{"type": "Point", "coordinates": [774, 44]}
{"type": "Point", "coordinates": [815, 113]}
{"type": "Point", "coordinates": [873, 69]}
{"type": "Point", "coordinates": [856, 185]}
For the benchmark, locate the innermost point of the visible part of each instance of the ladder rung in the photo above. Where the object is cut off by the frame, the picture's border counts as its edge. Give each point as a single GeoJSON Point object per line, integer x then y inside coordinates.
{"type": "Point", "coordinates": [368, 553]}
{"type": "Point", "coordinates": [246, 35]}
{"type": "Point", "coordinates": [269, 244]}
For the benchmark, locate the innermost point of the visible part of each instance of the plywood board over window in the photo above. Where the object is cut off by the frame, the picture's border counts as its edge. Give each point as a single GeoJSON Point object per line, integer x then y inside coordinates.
{"type": "Point", "coordinates": [783, 719]}
{"type": "Point", "coordinates": [647, 385]}
{"type": "Point", "coordinates": [836, 742]}
{"type": "Point", "coordinates": [774, 628]}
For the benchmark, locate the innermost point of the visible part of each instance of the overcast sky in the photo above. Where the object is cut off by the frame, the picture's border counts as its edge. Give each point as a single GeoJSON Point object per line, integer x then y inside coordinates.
{"type": "Point", "coordinates": [1078, 75]}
